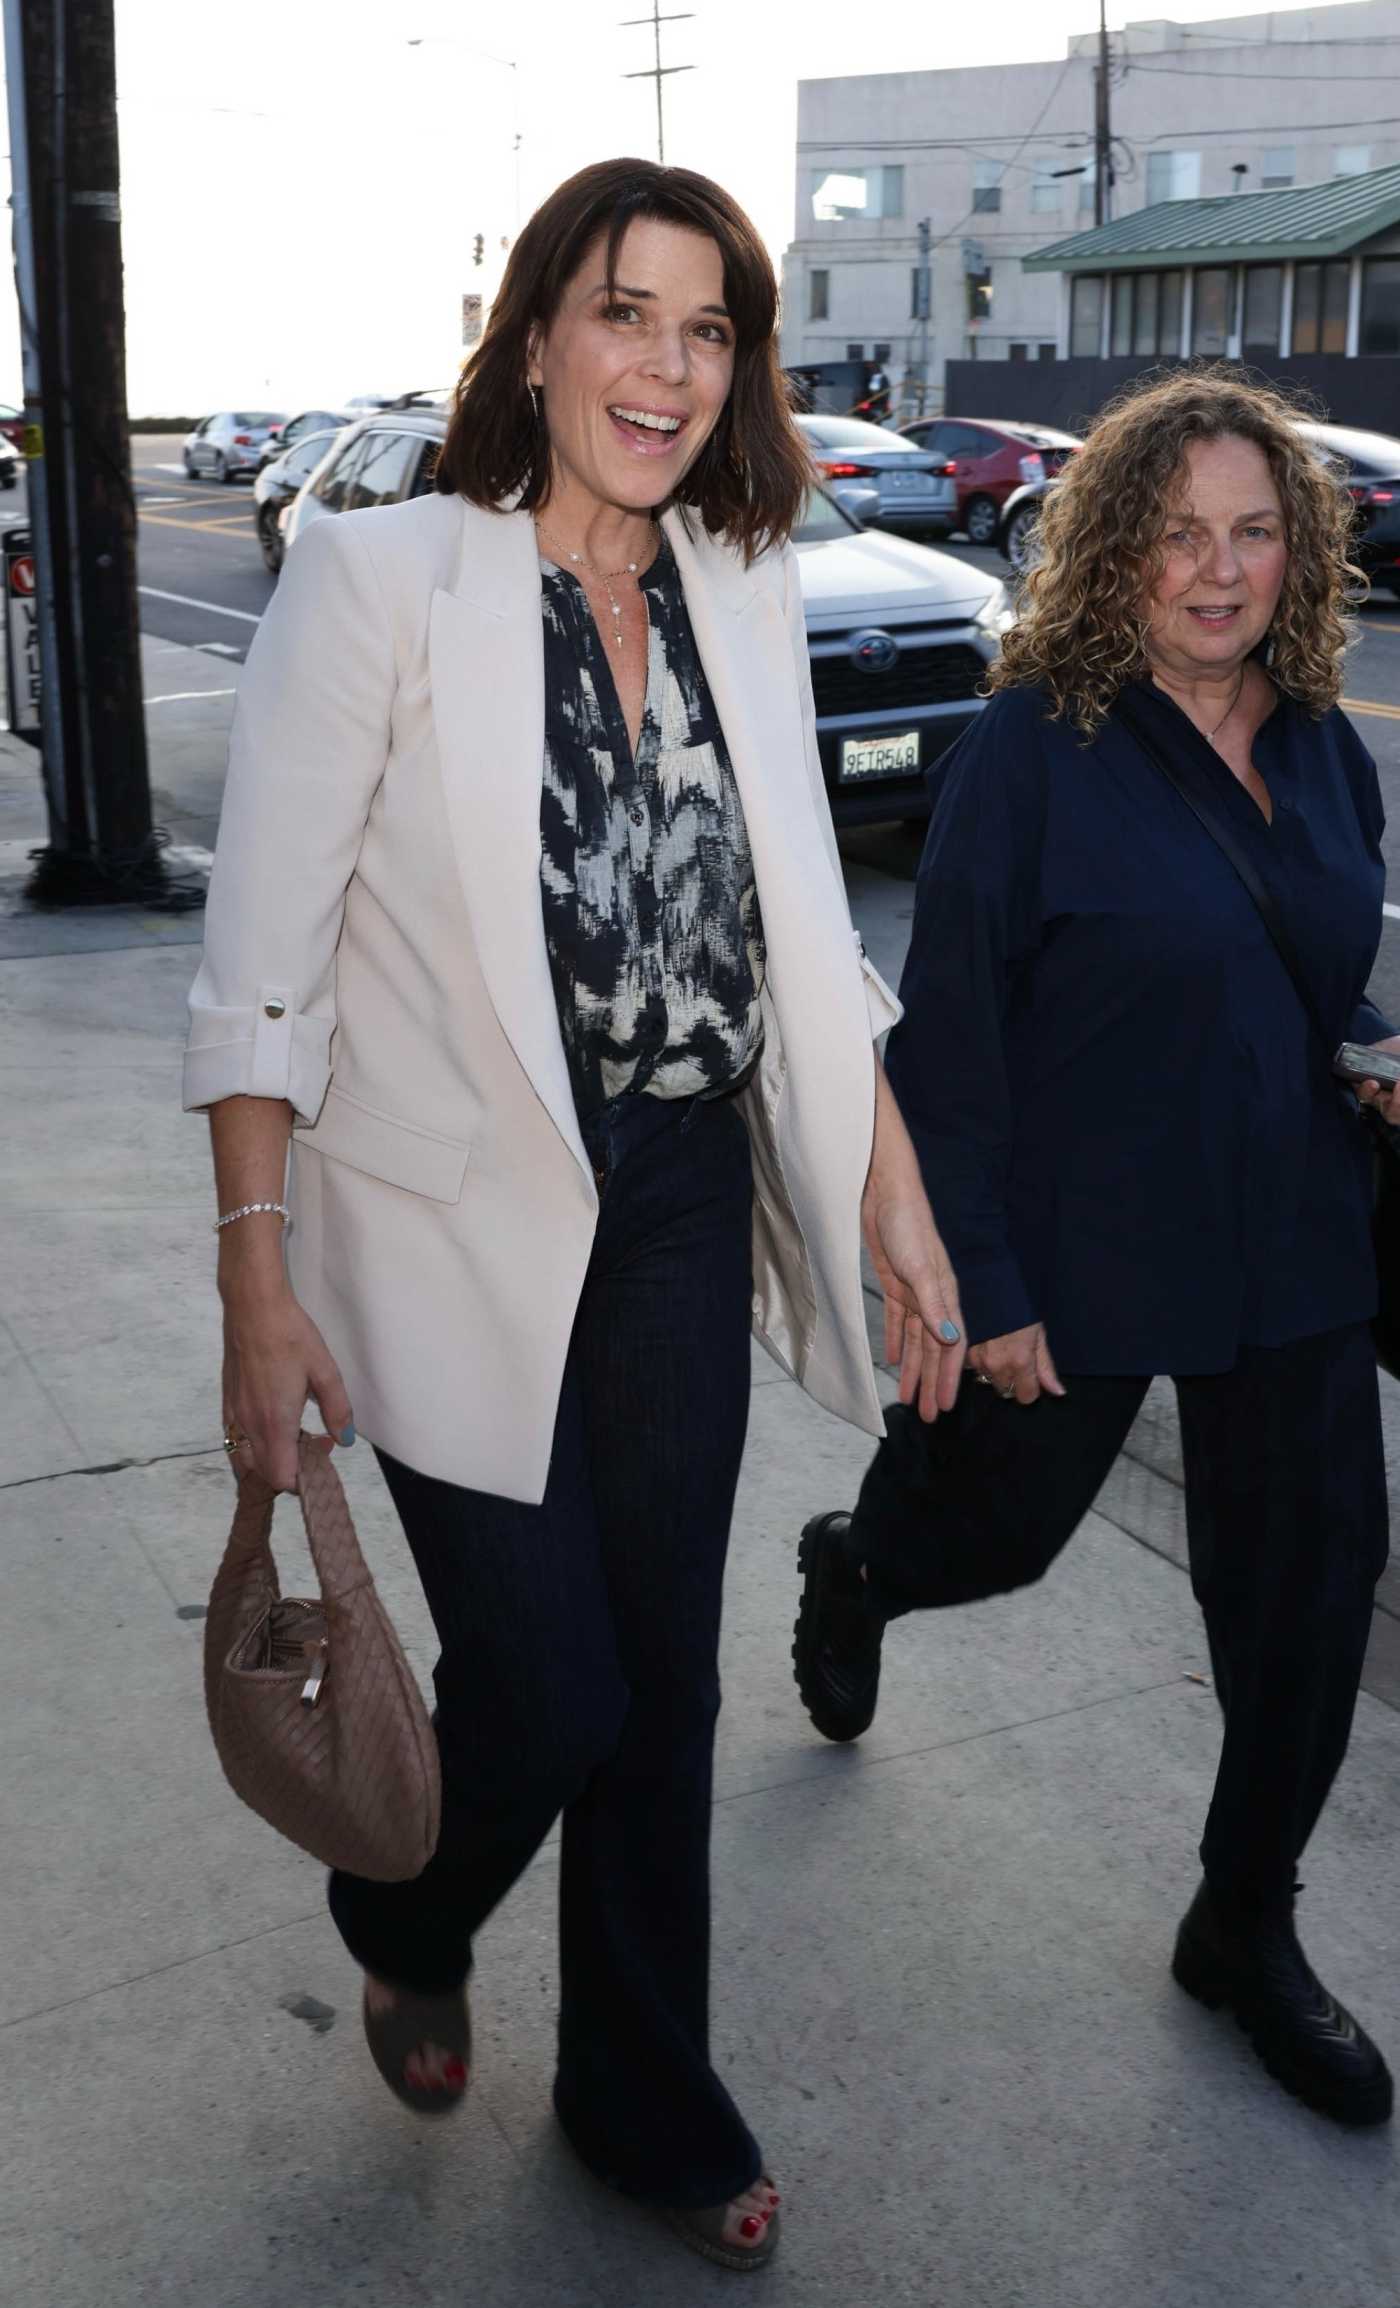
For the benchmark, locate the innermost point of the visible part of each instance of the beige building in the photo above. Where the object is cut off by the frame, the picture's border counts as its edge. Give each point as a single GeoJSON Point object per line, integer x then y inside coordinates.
{"type": "Point", "coordinates": [998, 160]}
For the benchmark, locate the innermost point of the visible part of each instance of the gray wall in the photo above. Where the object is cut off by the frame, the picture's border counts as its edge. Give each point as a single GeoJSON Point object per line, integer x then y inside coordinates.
{"type": "Point", "coordinates": [1365, 391]}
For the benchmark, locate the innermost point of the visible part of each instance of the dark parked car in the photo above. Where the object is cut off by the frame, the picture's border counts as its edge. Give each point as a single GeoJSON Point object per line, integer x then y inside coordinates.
{"type": "Point", "coordinates": [899, 637]}
{"type": "Point", "coordinates": [278, 483]}
{"type": "Point", "coordinates": [991, 460]}
{"type": "Point", "coordinates": [912, 489]}
{"type": "Point", "coordinates": [1371, 465]}
{"type": "Point", "coordinates": [297, 429]}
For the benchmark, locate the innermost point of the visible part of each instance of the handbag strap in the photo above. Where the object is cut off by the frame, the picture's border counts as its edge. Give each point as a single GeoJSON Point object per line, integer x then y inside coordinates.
{"type": "Point", "coordinates": [1129, 710]}
{"type": "Point", "coordinates": [335, 1550]}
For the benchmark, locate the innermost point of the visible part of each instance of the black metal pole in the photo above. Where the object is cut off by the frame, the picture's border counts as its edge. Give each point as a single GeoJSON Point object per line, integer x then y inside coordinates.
{"type": "Point", "coordinates": [102, 849]}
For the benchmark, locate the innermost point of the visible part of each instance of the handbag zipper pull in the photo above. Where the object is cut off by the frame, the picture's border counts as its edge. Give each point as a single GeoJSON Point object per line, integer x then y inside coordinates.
{"type": "Point", "coordinates": [311, 1688]}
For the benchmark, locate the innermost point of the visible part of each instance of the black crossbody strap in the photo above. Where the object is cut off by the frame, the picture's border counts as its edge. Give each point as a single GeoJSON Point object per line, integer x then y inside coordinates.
{"type": "Point", "coordinates": [1130, 712]}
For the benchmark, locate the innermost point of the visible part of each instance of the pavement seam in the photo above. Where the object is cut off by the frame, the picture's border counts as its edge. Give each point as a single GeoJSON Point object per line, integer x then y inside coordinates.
{"type": "Point", "coordinates": [158, 1970]}
{"type": "Point", "coordinates": [105, 1466]}
{"type": "Point", "coordinates": [966, 1738]}
{"type": "Point", "coordinates": [49, 1397]}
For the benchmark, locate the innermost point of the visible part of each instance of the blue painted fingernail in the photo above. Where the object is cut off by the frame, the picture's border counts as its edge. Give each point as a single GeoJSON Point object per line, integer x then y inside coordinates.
{"type": "Point", "coordinates": [346, 1436]}
{"type": "Point", "coordinates": [949, 1333]}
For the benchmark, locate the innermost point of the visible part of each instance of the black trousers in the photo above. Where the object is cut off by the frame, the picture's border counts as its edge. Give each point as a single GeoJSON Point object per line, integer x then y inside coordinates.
{"type": "Point", "coordinates": [579, 1666]}
{"type": "Point", "coordinates": [1286, 1515]}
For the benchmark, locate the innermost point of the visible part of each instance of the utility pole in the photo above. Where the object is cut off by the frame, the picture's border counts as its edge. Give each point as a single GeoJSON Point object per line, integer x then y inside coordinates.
{"type": "Point", "coordinates": [658, 71]}
{"type": "Point", "coordinates": [61, 68]}
{"type": "Point", "coordinates": [1103, 140]}
{"type": "Point", "coordinates": [923, 304]}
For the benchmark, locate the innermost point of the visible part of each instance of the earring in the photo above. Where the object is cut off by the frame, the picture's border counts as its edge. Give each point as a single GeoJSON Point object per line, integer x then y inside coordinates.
{"type": "Point", "coordinates": [534, 393]}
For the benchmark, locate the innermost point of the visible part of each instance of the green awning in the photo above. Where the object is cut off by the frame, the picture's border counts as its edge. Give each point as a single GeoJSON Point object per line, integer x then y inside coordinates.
{"type": "Point", "coordinates": [1303, 220]}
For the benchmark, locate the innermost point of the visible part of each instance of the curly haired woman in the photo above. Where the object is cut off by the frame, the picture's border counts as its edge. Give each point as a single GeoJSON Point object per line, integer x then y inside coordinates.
{"type": "Point", "coordinates": [1141, 1161]}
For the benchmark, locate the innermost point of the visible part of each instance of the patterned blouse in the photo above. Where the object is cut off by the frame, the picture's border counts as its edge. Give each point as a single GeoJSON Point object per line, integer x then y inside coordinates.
{"type": "Point", "coordinates": [650, 909]}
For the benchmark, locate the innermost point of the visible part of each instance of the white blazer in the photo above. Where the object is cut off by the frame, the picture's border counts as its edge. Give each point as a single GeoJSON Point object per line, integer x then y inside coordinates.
{"type": "Point", "coordinates": [375, 953]}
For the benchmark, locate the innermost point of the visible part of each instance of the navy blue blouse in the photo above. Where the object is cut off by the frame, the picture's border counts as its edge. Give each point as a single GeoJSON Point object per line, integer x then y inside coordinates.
{"type": "Point", "coordinates": [1126, 1126]}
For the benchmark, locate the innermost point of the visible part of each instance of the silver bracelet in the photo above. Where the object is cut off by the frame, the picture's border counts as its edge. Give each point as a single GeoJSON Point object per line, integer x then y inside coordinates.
{"type": "Point", "coordinates": [247, 1211]}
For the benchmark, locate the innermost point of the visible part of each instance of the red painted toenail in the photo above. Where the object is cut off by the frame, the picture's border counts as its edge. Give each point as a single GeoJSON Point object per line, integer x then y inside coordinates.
{"type": "Point", "coordinates": [455, 2072]}
{"type": "Point", "coordinates": [752, 2226]}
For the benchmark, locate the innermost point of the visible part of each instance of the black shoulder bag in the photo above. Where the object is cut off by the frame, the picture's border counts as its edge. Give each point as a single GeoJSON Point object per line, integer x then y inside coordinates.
{"type": "Point", "coordinates": [1385, 1140]}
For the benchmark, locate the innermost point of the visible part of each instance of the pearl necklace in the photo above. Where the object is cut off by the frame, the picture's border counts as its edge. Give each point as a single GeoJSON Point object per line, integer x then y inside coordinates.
{"type": "Point", "coordinates": [605, 577]}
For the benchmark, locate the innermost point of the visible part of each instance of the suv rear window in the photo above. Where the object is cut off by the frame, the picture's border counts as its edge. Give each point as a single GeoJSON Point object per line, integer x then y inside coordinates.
{"type": "Point", "coordinates": [256, 417]}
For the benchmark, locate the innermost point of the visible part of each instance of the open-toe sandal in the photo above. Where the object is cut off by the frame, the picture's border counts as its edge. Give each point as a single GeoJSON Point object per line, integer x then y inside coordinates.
{"type": "Point", "coordinates": [704, 2233]}
{"type": "Point", "coordinates": [402, 2027]}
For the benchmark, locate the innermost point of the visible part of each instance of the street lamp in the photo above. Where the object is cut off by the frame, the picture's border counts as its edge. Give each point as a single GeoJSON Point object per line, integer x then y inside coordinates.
{"type": "Point", "coordinates": [507, 64]}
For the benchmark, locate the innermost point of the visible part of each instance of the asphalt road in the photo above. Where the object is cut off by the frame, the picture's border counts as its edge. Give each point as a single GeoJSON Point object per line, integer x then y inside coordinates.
{"type": "Point", "coordinates": [203, 583]}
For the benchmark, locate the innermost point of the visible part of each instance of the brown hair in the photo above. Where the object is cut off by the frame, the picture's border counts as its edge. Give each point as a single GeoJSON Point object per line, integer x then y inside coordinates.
{"type": "Point", "coordinates": [1081, 630]}
{"type": "Point", "coordinates": [748, 482]}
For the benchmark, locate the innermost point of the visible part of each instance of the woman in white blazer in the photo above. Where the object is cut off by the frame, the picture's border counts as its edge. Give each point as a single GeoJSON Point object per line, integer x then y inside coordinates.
{"type": "Point", "coordinates": [529, 986]}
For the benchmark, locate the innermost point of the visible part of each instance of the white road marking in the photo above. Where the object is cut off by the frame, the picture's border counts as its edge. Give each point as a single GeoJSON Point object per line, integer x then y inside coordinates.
{"type": "Point", "coordinates": [167, 469]}
{"type": "Point", "coordinates": [143, 502]}
{"type": "Point", "coordinates": [186, 601]}
{"type": "Point", "coordinates": [217, 648]}
{"type": "Point", "coordinates": [178, 696]}
{"type": "Point", "coordinates": [1392, 911]}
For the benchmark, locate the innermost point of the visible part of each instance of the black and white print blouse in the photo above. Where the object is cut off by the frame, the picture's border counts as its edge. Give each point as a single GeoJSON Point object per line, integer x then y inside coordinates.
{"type": "Point", "coordinates": [650, 909]}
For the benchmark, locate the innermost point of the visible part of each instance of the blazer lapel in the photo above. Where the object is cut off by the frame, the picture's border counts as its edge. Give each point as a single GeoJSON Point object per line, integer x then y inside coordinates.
{"type": "Point", "coordinates": [486, 659]}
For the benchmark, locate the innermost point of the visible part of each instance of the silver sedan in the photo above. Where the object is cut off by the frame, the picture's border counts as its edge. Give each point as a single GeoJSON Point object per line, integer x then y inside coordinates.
{"type": "Point", "coordinates": [229, 443]}
{"type": "Point", "coordinates": [888, 482]}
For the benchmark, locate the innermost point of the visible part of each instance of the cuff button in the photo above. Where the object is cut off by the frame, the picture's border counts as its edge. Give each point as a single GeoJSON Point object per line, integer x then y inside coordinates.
{"type": "Point", "coordinates": [274, 1009]}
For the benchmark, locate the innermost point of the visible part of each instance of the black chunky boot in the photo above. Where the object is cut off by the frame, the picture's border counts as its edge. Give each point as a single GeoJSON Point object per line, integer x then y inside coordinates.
{"type": "Point", "coordinates": [836, 1645]}
{"type": "Point", "coordinates": [1307, 2040]}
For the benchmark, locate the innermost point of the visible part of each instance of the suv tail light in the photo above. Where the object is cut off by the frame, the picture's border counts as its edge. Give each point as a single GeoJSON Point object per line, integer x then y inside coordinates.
{"type": "Point", "coordinates": [950, 469]}
{"type": "Point", "coordinates": [1032, 466]}
{"type": "Point", "coordinates": [840, 471]}
{"type": "Point", "coordinates": [243, 440]}
{"type": "Point", "coordinates": [1373, 493]}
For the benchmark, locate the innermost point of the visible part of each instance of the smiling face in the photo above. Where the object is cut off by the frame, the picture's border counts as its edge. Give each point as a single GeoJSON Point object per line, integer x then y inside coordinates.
{"type": "Point", "coordinates": [634, 384]}
{"type": "Point", "coordinates": [1226, 555]}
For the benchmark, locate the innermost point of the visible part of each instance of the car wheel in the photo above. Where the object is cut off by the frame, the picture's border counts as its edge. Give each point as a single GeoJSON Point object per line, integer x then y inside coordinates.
{"type": "Point", "coordinates": [269, 538]}
{"type": "Point", "coordinates": [221, 472]}
{"type": "Point", "coordinates": [190, 473]}
{"type": "Point", "coordinates": [980, 521]}
{"type": "Point", "coordinates": [1020, 532]}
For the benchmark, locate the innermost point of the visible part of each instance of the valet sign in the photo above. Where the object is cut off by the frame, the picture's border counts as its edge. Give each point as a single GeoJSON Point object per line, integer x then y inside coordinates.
{"type": "Point", "coordinates": [21, 635]}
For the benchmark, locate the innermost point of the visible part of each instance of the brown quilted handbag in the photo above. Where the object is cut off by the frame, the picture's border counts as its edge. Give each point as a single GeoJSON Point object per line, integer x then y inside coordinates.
{"type": "Point", "coordinates": [318, 1721]}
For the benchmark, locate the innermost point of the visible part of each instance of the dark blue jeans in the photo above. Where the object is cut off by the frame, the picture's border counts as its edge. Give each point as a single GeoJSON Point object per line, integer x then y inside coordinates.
{"type": "Point", "coordinates": [1287, 1528]}
{"type": "Point", "coordinates": [579, 1665]}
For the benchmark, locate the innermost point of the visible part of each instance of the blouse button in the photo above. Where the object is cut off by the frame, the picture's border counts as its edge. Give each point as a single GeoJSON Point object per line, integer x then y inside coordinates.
{"type": "Point", "coordinates": [638, 816]}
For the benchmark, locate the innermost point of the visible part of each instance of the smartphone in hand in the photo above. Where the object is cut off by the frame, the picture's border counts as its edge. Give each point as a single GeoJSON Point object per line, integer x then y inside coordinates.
{"type": "Point", "coordinates": [1355, 1063]}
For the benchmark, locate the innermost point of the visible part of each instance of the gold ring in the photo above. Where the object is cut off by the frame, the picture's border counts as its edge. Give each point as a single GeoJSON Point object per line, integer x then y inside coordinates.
{"type": "Point", "coordinates": [235, 1442]}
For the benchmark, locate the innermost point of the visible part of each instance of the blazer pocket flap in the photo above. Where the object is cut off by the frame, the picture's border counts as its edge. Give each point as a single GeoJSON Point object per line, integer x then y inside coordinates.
{"type": "Point", "coordinates": [402, 1155]}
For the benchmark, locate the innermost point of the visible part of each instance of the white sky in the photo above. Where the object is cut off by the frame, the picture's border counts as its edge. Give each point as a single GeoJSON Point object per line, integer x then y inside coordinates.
{"type": "Point", "coordinates": [300, 187]}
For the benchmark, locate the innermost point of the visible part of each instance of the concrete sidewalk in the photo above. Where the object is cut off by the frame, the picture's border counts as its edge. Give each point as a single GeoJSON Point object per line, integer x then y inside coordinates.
{"type": "Point", "coordinates": [941, 1986]}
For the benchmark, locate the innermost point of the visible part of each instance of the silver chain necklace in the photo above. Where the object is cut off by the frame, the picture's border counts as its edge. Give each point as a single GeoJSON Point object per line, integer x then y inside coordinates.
{"type": "Point", "coordinates": [1212, 734]}
{"type": "Point", "coordinates": [604, 577]}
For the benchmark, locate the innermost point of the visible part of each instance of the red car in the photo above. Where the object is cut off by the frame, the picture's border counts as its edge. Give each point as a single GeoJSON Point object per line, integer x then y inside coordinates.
{"type": "Point", "coordinates": [989, 461]}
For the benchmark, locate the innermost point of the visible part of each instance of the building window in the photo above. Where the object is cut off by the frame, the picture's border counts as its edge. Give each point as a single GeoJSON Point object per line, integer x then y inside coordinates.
{"type": "Point", "coordinates": [1086, 193]}
{"type": "Point", "coordinates": [1085, 317]}
{"type": "Point", "coordinates": [1173, 176]}
{"type": "Point", "coordinates": [1278, 165]}
{"type": "Point", "coordinates": [1321, 294]}
{"type": "Point", "coordinates": [1351, 160]}
{"type": "Point", "coordinates": [1047, 352]}
{"type": "Point", "coordinates": [855, 352]}
{"type": "Point", "coordinates": [1045, 196]}
{"type": "Point", "coordinates": [979, 295]}
{"type": "Point", "coordinates": [1120, 330]}
{"type": "Point", "coordinates": [920, 287]}
{"type": "Point", "coordinates": [1263, 311]}
{"type": "Point", "coordinates": [1210, 311]}
{"type": "Point", "coordinates": [986, 186]}
{"type": "Point", "coordinates": [1169, 312]}
{"type": "Point", "coordinates": [882, 352]}
{"type": "Point", "coordinates": [843, 194]}
{"type": "Point", "coordinates": [818, 295]}
{"type": "Point", "coordinates": [1018, 352]}
{"type": "Point", "coordinates": [1145, 313]}
{"type": "Point", "coordinates": [1380, 305]}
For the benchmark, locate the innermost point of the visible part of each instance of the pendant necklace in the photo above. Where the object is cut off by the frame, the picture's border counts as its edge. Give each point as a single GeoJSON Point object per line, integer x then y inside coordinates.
{"type": "Point", "coordinates": [604, 577]}
{"type": "Point", "coordinates": [1212, 734]}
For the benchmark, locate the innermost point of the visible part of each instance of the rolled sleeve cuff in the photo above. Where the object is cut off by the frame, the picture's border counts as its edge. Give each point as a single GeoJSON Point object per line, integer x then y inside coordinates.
{"type": "Point", "coordinates": [270, 1051]}
{"type": "Point", "coordinates": [994, 1298]}
{"type": "Point", "coordinates": [885, 1008]}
